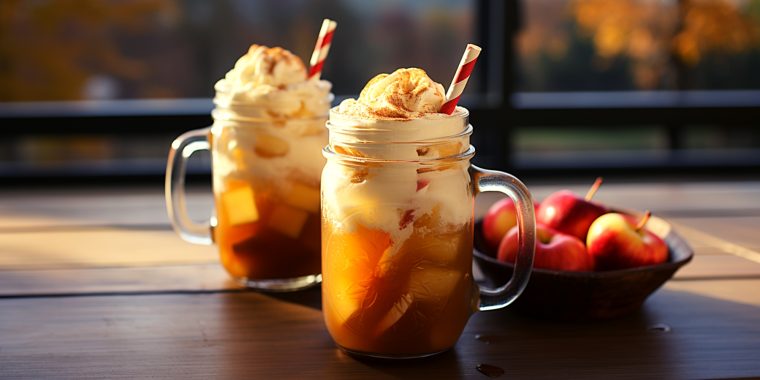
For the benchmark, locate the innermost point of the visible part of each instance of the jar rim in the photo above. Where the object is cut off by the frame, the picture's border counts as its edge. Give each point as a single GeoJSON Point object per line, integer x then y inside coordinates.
{"type": "Point", "coordinates": [466, 132]}
{"type": "Point", "coordinates": [363, 130]}
{"type": "Point", "coordinates": [245, 105]}
{"type": "Point", "coordinates": [459, 112]}
{"type": "Point", "coordinates": [216, 114]}
{"type": "Point", "coordinates": [329, 153]}
{"type": "Point", "coordinates": [334, 113]}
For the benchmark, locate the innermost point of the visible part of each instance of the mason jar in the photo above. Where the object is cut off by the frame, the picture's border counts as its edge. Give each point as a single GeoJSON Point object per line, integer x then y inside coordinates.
{"type": "Point", "coordinates": [266, 178]}
{"type": "Point", "coordinates": [397, 233]}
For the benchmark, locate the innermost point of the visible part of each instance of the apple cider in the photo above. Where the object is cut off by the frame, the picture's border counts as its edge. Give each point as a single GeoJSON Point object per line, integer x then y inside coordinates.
{"type": "Point", "coordinates": [410, 300]}
{"type": "Point", "coordinates": [264, 235]}
{"type": "Point", "coordinates": [266, 160]}
{"type": "Point", "coordinates": [267, 203]}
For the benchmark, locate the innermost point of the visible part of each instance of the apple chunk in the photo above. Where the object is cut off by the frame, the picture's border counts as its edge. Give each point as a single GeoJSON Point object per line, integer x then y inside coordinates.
{"type": "Point", "coordinates": [398, 310]}
{"type": "Point", "coordinates": [240, 205]}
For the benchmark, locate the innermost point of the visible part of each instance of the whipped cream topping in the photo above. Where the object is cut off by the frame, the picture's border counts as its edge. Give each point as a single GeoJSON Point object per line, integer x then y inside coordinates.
{"type": "Point", "coordinates": [398, 139]}
{"type": "Point", "coordinates": [301, 159]}
{"type": "Point", "coordinates": [274, 81]}
{"type": "Point", "coordinates": [390, 193]}
{"type": "Point", "coordinates": [267, 93]}
{"type": "Point", "coordinates": [396, 118]}
{"type": "Point", "coordinates": [267, 66]}
{"type": "Point", "coordinates": [403, 94]}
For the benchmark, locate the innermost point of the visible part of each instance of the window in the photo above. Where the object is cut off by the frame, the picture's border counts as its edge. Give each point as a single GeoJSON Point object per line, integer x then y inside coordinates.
{"type": "Point", "coordinates": [631, 83]}
{"type": "Point", "coordinates": [97, 87]}
{"type": "Point", "coordinates": [100, 88]}
{"type": "Point", "coordinates": [157, 49]}
{"type": "Point", "coordinates": [601, 45]}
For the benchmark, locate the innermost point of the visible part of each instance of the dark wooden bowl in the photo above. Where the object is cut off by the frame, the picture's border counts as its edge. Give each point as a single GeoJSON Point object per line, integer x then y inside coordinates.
{"type": "Point", "coordinates": [588, 295]}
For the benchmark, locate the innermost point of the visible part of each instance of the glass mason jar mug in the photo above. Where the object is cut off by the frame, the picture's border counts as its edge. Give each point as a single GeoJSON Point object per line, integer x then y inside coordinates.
{"type": "Point", "coordinates": [265, 172]}
{"type": "Point", "coordinates": [397, 234]}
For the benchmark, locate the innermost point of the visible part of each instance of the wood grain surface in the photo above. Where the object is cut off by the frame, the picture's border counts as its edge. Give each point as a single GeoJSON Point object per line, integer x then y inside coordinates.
{"type": "Point", "coordinates": [95, 284]}
{"type": "Point", "coordinates": [233, 335]}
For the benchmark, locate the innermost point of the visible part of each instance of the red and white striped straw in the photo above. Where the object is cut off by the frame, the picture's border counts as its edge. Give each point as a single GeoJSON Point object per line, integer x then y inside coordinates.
{"type": "Point", "coordinates": [456, 88]}
{"type": "Point", "coordinates": [323, 46]}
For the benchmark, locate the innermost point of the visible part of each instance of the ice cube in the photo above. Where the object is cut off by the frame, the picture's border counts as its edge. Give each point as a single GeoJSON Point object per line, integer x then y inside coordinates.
{"type": "Point", "coordinates": [433, 284]}
{"type": "Point", "coordinates": [344, 298]}
{"type": "Point", "coordinates": [351, 263]}
{"type": "Point", "coordinates": [303, 197]}
{"type": "Point", "coordinates": [435, 248]}
{"type": "Point", "coordinates": [442, 249]}
{"type": "Point", "coordinates": [287, 220]}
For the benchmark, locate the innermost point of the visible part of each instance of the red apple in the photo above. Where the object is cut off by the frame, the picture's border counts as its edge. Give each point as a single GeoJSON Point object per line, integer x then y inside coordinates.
{"type": "Point", "coordinates": [617, 241]}
{"type": "Point", "coordinates": [570, 214]}
{"type": "Point", "coordinates": [554, 250]}
{"type": "Point", "coordinates": [499, 219]}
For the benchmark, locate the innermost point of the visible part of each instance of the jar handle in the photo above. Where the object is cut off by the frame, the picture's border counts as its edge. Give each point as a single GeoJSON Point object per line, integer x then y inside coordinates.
{"type": "Point", "coordinates": [181, 149]}
{"type": "Point", "coordinates": [489, 180]}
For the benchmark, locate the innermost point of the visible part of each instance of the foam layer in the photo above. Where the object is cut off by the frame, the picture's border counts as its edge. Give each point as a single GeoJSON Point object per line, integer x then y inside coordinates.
{"type": "Point", "coordinates": [384, 194]}
{"type": "Point", "coordinates": [290, 151]}
{"type": "Point", "coordinates": [267, 100]}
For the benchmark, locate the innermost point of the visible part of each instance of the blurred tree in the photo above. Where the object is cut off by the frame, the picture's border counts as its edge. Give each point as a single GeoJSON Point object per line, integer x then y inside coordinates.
{"type": "Point", "coordinates": [65, 50]}
{"type": "Point", "coordinates": [659, 39]}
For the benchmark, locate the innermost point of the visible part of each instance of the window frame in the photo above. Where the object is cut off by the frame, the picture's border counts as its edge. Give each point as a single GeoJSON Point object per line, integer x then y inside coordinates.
{"type": "Point", "coordinates": [497, 113]}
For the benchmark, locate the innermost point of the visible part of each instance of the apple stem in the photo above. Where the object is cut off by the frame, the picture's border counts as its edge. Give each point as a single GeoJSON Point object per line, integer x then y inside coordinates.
{"type": "Point", "coordinates": [643, 220]}
{"type": "Point", "coordinates": [594, 188]}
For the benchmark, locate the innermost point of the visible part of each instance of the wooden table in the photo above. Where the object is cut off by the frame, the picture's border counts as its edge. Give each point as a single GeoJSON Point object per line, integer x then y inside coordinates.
{"type": "Point", "coordinates": [94, 283]}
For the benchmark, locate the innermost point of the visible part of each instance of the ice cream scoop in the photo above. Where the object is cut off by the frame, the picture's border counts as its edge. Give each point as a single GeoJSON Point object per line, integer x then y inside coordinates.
{"type": "Point", "coordinates": [403, 94]}
{"type": "Point", "coordinates": [263, 65]}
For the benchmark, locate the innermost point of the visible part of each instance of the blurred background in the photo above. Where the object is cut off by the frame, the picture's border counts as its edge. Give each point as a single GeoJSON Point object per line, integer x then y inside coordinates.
{"type": "Point", "coordinates": [97, 89]}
